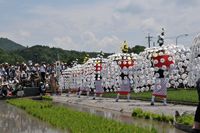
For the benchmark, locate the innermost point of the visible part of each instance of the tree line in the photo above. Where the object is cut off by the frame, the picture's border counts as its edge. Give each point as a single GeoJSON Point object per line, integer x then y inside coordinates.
{"type": "Point", "coordinates": [39, 53]}
{"type": "Point", "coordinates": [10, 57]}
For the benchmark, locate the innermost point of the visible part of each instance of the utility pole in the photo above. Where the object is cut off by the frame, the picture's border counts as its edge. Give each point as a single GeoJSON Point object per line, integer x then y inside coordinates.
{"type": "Point", "coordinates": [149, 39]}
{"type": "Point", "coordinates": [154, 44]}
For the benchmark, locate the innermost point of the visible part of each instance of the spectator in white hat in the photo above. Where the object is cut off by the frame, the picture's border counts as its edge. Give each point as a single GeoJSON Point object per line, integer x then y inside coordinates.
{"type": "Point", "coordinates": [17, 87]}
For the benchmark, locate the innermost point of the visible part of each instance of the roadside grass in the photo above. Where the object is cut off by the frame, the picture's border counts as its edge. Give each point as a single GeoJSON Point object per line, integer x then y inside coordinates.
{"type": "Point", "coordinates": [77, 121]}
{"type": "Point", "coordinates": [177, 95]}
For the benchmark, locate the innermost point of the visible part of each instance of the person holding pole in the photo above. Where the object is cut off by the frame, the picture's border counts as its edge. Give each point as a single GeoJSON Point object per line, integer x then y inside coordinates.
{"type": "Point", "coordinates": [53, 82]}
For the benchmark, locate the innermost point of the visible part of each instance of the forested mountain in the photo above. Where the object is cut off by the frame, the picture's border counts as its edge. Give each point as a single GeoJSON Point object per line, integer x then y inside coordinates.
{"type": "Point", "coordinates": [40, 53]}
{"type": "Point", "coordinates": [9, 45]}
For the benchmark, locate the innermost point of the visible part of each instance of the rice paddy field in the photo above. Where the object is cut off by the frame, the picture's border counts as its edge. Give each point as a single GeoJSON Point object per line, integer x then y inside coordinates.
{"type": "Point", "coordinates": [76, 121]}
{"type": "Point", "coordinates": [177, 95]}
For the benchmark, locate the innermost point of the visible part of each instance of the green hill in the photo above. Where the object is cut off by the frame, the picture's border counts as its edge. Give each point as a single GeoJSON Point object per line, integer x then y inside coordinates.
{"type": "Point", "coordinates": [49, 55]}
{"type": "Point", "coordinates": [9, 45]}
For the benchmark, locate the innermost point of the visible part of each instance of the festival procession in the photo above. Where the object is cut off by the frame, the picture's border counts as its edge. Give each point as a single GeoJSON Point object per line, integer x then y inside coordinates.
{"type": "Point", "coordinates": [156, 70]}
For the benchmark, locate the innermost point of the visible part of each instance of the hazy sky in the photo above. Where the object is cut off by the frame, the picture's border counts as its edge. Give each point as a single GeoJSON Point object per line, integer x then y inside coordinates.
{"type": "Point", "coordinates": [91, 25]}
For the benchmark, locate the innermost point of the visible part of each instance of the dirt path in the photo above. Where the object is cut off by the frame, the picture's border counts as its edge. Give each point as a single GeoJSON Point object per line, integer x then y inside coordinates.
{"type": "Point", "coordinates": [127, 107]}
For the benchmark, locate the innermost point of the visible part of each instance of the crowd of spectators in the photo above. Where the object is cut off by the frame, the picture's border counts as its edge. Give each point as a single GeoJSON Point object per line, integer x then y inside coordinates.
{"type": "Point", "coordinates": [14, 77]}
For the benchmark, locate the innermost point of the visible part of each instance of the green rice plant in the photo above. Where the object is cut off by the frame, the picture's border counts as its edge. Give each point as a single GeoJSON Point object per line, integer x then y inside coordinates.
{"type": "Point", "coordinates": [159, 117]}
{"type": "Point", "coordinates": [187, 119]}
{"type": "Point", "coordinates": [153, 129]}
{"type": "Point", "coordinates": [171, 119]}
{"type": "Point", "coordinates": [28, 103]}
{"type": "Point", "coordinates": [47, 97]}
{"type": "Point", "coordinates": [79, 122]}
{"type": "Point", "coordinates": [154, 116]}
{"type": "Point", "coordinates": [140, 115]}
{"type": "Point", "coordinates": [164, 118]}
{"type": "Point", "coordinates": [137, 111]}
{"type": "Point", "coordinates": [147, 115]}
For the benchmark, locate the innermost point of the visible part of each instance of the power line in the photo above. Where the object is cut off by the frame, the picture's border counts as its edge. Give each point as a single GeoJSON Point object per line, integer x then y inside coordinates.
{"type": "Point", "coordinates": [142, 41]}
{"type": "Point", "coordinates": [189, 34]}
{"type": "Point", "coordinates": [145, 44]}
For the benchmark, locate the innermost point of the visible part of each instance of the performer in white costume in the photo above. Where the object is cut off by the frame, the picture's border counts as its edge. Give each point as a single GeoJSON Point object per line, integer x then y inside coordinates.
{"type": "Point", "coordinates": [162, 63]}
{"type": "Point", "coordinates": [74, 83]}
{"type": "Point", "coordinates": [98, 80]}
{"type": "Point", "coordinates": [126, 66]}
{"type": "Point", "coordinates": [86, 81]}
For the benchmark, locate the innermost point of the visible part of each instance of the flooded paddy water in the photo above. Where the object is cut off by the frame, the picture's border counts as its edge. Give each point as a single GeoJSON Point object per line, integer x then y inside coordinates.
{"type": "Point", "coordinates": [16, 120]}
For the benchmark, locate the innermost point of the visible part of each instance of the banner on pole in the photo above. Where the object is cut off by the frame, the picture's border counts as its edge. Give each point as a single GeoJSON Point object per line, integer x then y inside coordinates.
{"type": "Point", "coordinates": [58, 69]}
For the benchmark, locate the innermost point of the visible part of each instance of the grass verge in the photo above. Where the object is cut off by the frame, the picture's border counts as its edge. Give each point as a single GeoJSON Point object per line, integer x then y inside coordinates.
{"type": "Point", "coordinates": [179, 95]}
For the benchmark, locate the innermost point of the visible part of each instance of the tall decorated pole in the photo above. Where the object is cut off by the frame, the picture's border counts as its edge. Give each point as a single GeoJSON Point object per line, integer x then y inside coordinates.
{"type": "Point", "coordinates": [58, 75]}
{"type": "Point", "coordinates": [161, 38]}
{"type": "Point", "coordinates": [86, 58]}
{"type": "Point", "coordinates": [125, 47]}
{"type": "Point", "coordinates": [58, 67]}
